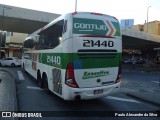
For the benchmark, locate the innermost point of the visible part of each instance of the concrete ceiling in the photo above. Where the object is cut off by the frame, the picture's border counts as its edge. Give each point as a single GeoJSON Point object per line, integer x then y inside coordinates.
{"type": "Point", "coordinates": [20, 25]}
{"type": "Point", "coordinates": [23, 20]}
{"type": "Point", "coordinates": [138, 44]}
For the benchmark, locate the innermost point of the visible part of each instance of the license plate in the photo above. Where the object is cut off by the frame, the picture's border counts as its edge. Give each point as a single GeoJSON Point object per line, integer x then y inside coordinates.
{"type": "Point", "coordinates": [99, 91]}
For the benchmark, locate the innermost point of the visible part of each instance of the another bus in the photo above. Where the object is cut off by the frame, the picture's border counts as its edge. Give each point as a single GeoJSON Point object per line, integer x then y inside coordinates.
{"type": "Point", "coordinates": [77, 56]}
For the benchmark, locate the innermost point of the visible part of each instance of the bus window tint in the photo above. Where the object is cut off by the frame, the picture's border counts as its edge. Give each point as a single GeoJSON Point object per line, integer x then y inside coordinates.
{"type": "Point", "coordinates": [49, 38]}
{"type": "Point", "coordinates": [30, 43]}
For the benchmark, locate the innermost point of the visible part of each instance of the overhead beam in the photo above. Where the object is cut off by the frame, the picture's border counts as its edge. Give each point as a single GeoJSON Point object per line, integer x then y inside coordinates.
{"type": "Point", "coordinates": [22, 20]}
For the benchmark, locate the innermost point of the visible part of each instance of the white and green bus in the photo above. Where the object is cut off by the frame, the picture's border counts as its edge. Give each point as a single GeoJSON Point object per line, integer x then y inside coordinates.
{"type": "Point", "coordinates": [77, 56]}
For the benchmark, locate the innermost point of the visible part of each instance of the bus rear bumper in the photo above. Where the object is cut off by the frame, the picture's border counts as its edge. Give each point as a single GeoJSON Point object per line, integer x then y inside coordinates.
{"type": "Point", "coordinates": [90, 93]}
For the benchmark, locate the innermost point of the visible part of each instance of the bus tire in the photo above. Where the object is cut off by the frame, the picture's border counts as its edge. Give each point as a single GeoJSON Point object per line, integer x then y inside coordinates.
{"type": "Point", "coordinates": [40, 82]}
{"type": "Point", "coordinates": [45, 80]}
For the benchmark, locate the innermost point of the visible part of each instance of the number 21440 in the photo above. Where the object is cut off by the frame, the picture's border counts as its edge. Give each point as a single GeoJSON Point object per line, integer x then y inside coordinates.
{"type": "Point", "coordinates": [98, 43]}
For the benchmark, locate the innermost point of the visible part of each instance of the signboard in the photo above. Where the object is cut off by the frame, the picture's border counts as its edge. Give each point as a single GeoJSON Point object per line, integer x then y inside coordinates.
{"type": "Point", "coordinates": [95, 27]}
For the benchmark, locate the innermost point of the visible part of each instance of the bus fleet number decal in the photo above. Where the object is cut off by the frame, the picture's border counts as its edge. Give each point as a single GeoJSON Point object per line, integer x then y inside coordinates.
{"type": "Point", "coordinates": [91, 43]}
{"type": "Point", "coordinates": [54, 59]}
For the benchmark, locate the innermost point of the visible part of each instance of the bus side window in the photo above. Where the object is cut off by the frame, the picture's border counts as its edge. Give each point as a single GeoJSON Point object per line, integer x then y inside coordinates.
{"type": "Point", "coordinates": [51, 37]}
{"type": "Point", "coordinates": [30, 43]}
{"type": "Point", "coordinates": [40, 42]}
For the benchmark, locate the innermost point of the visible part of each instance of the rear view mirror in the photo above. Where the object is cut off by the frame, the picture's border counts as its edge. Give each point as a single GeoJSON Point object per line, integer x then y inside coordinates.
{"type": "Point", "coordinates": [30, 43]}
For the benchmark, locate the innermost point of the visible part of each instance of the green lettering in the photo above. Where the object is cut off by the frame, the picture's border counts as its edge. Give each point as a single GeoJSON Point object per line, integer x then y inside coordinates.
{"type": "Point", "coordinates": [88, 75]}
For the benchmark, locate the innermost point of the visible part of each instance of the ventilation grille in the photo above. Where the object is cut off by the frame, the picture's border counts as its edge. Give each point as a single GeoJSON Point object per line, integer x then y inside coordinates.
{"type": "Point", "coordinates": [97, 54]}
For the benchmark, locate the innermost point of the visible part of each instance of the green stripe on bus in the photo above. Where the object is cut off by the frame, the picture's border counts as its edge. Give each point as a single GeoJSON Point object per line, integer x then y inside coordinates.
{"type": "Point", "coordinates": [61, 60]}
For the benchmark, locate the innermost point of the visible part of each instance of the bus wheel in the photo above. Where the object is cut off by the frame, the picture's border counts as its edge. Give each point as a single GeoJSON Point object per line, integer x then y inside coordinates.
{"type": "Point", "coordinates": [45, 79]}
{"type": "Point", "coordinates": [40, 83]}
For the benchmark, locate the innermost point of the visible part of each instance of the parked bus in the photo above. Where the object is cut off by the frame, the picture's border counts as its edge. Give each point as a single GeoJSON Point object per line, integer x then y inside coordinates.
{"type": "Point", "coordinates": [77, 56]}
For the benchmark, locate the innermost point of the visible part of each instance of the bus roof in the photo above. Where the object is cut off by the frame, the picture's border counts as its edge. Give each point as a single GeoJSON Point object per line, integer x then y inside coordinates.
{"type": "Point", "coordinates": [93, 13]}
{"type": "Point", "coordinates": [73, 14]}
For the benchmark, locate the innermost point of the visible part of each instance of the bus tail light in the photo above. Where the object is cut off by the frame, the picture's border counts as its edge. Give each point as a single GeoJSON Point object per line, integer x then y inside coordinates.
{"type": "Point", "coordinates": [70, 79]}
{"type": "Point", "coordinates": [118, 79]}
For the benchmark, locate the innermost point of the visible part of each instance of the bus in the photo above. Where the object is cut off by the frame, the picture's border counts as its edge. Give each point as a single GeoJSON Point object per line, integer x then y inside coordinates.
{"type": "Point", "coordinates": [76, 56]}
